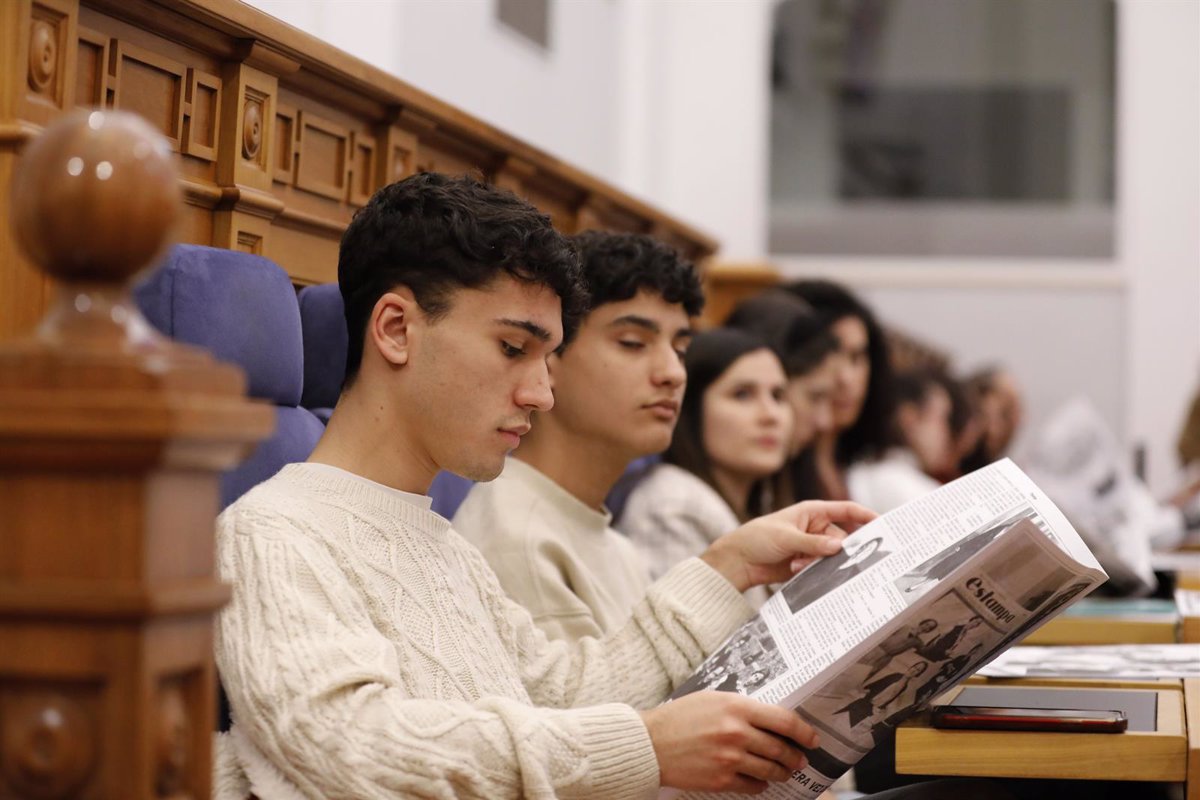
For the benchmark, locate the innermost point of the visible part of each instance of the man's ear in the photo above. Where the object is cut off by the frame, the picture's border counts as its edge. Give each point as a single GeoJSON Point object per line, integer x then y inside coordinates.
{"type": "Point", "coordinates": [393, 319]}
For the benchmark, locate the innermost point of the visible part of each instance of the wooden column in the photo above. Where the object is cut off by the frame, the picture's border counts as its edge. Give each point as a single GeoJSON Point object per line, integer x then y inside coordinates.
{"type": "Point", "coordinates": [111, 442]}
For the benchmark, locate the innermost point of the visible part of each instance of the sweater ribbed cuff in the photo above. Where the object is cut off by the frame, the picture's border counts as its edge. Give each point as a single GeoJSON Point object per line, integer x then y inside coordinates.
{"type": "Point", "coordinates": [714, 606]}
{"type": "Point", "coordinates": [623, 764]}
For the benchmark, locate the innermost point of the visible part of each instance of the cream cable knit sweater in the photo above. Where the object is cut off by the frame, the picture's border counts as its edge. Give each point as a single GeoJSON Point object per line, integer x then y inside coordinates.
{"type": "Point", "coordinates": [369, 652]}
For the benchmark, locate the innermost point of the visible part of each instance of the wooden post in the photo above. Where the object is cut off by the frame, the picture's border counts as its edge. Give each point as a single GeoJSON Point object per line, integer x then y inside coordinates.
{"type": "Point", "coordinates": [111, 442]}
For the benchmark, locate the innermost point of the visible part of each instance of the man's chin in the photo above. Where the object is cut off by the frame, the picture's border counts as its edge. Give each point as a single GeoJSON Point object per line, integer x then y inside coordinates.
{"type": "Point", "coordinates": [481, 473]}
{"type": "Point", "coordinates": [651, 444]}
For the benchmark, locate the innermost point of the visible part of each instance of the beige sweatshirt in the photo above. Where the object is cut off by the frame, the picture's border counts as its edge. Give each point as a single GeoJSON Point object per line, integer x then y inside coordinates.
{"type": "Point", "coordinates": [369, 652]}
{"type": "Point", "coordinates": [553, 554]}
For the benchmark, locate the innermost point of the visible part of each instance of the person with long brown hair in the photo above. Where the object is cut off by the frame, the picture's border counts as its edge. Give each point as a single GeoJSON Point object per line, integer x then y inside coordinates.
{"type": "Point", "coordinates": [862, 397]}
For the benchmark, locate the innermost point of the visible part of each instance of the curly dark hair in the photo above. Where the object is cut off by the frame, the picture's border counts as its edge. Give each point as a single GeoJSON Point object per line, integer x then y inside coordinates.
{"type": "Point", "coordinates": [869, 435]}
{"type": "Point", "coordinates": [616, 266]}
{"type": "Point", "coordinates": [434, 234]}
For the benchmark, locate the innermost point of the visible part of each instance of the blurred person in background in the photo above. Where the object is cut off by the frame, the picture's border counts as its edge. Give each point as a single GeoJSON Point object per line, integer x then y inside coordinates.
{"type": "Point", "coordinates": [862, 391]}
{"type": "Point", "coordinates": [996, 398]}
{"type": "Point", "coordinates": [922, 448]}
{"type": "Point", "coordinates": [965, 426]}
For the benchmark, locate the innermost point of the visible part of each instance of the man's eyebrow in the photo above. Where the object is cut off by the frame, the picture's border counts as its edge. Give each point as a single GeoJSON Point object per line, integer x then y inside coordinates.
{"type": "Point", "coordinates": [645, 322]}
{"type": "Point", "coordinates": [637, 321]}
{"type": "Point", "coordinates": [540, 333]}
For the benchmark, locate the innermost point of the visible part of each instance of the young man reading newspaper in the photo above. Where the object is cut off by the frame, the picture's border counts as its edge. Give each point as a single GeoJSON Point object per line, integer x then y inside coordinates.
{"type": "Point", "coordinates": [369, 651]}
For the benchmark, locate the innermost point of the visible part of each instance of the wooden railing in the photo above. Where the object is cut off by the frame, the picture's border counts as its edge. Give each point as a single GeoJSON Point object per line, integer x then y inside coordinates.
{"type": "Point", "coordinates": [280, 136]}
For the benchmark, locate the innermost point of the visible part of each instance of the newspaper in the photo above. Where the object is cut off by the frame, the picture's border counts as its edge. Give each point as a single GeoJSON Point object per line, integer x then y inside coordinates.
{"type": "Point", "coordinates": [916, 601]}
{"type": "Point", "coordinates": [1078, 462]}
{"type": "Point", "coordinates": [1127, 661]}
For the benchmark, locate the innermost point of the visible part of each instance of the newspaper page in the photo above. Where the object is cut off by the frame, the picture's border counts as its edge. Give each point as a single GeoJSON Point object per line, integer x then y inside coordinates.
{"type": "Point", "coordinates": [1126, 661]}
{"type": "Point", "coordinates": [916, 601]}
{"type": "Point", "coordinates": [1077, 461]}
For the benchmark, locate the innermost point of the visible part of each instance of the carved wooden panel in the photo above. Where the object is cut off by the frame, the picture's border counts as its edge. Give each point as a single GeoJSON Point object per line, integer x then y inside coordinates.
{"type": "Point", "coordinates": [151, 85]}
{"type": "Point", "coordinates": [322, 157]}
{"type": "Point", "coordinates": [283, 168]}
{"type": "Point", "coordinates": [362, 168]}
{"type": "Point", "coordinates": [48, 60]}
{"type": "Point", "coordinates": [49, 739]}
{"type": "Point", "coordinates": [173, 742]}
{"type": "Point", "coordinates": [669, 236]}
{"type": "Point", "coordinates": [514, 174]}
{"type": "Point", "coordinates": [598, 213]}
{"type": "Point", "coordinates": [254, 123]}
{"type": "Point", "coordinates": [202, 114]}
{"type": "Point", "coordinates": [441, 156]}
{"type": "Point", "coordinates": [399, 159]}
{"type": "Point", "coordinates": [561, 201]}
{"type": "Point", "coordinates": [91, 76]}
{"type": "Point", "coordinates": [247, 127]}
{"type": "Point", "coordinates": [242, 231]}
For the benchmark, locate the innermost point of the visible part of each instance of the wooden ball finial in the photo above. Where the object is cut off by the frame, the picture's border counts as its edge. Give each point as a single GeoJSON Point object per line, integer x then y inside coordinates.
{"type": "Point", "coordinates": [95, 197]}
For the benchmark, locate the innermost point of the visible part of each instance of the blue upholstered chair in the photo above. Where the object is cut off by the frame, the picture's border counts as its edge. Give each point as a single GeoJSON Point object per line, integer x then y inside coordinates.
{"type": "Point", "coordinates": [242, 309]}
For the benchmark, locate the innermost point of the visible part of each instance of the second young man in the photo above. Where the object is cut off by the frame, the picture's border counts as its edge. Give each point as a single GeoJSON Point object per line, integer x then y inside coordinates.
{"type": "Point", "coordinates": [618, 385]}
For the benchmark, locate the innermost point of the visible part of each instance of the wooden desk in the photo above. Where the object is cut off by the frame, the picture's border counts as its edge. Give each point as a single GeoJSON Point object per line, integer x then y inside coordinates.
{"type": "Point", "coordinates": [1169, 754]}
{"type": "Point", "coordinates": [1132, 622]}
{"type": "Point", "coordinates": [1105, 621]}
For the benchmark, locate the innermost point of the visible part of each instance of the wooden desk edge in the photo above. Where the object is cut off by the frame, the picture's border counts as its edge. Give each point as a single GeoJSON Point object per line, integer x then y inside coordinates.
{"type": "Point", "coordinates": [1167, 754]}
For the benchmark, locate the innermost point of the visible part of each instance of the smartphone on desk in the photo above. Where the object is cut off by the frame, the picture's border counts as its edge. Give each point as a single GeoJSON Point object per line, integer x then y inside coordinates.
{"type": "Point", "coordinates": [1074, 720]}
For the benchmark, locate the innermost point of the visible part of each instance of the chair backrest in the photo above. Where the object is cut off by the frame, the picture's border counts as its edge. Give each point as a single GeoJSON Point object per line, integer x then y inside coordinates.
{"type": "Point", "coordinates": [323, 323]}
{"type": "Point", "coordinates": [242, 309]}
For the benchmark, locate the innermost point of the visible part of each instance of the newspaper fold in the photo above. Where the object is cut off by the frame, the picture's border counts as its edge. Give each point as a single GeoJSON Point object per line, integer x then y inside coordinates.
{"type": "Point", "coordinates": [917, 600]}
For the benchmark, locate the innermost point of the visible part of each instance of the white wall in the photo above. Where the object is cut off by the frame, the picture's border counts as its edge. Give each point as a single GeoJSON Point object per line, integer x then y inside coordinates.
{"type": "Point", "coordinates": [1158, 234]}
{"type": "Point", "coordinates": [695, 112]}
